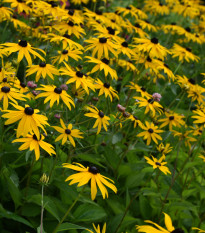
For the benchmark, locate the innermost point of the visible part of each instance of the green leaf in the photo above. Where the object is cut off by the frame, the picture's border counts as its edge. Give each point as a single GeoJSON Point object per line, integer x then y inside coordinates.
{"type": "Point", "coordinates": [90, 158]}
{"type": "Point", "coordinates": [145, 208]}
{"type": "Point", "coordinates": [7, 214]}
{"type": "Point", "coordinates": [48, 204]}
{"type": "Point", "coordinates": [117, 138]}
{"type": "Point", "coordinates": [69, 226]}
{"type": "Point", "coordinates": [89, 213]}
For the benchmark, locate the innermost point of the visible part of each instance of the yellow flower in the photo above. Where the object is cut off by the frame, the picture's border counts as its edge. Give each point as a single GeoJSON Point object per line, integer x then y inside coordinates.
{"type": "Point", "coordinates": [105, 88]}
{"type": "Point", "coordinates": [87, 174]}
{"type": "Point", "coordinates": [29, 120]}
{"type": "Point", "coordinates": [20, 5]}
{"type": "Point", "coordinates": [183, 53]}
{"type": "Point", "coordinates": [150, 132]}
{"type": "Point", "coordinates": [97, 229]}
{"type": "Point", "coordinates": [200, 117]}
{"type": "Point", "coordinates": [164, 149]}
{"type": "Point", "coordinates": [172, 119]}
{"type": "Point", "coordinates": [78, 77]}
{"type": "Point", "coordinates": [157, 163]}
{"type": "Point", "coordinates": [53, 94]}
{"type": "Point", "coordinates": [102, 46]}
{"type": "Point", "coordinates": [42, 69]}
{"type": "Point", "coordinates": [100, 116]}
{"type": "Point", "coordinates": [168, 223]}
{"type": "Point", "coordinates": [34, 143]}
{"type": "Point", "coordinates": [67, 133]}
{"type": "Point", "coordinates": [12, 94]}
{"type": "Point", "coordinates": [102, 64]}
{"type": "Point", "coordinates": [24, 49]}
{"type": "Point", "coordinates": [135, 120]}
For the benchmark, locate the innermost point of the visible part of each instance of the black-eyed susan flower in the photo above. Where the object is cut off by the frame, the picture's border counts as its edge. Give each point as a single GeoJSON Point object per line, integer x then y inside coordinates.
{"type": "Point", "coordinates": [23, 89]}
{"type": "Point", "coordinates": [78, 77]}
{"type": "Point", "coordinates": [101, 119]}
{"type": "Point", "coordinates": [156, 7]}
{"type": "Point", "coordinates": [196, 93]}
{"type": "Point", "coordinates": [102, 64]}
{"type": "Point", "coordinates": [141, 90]}
{"type": "Point", "coordinates": [128, 65]}
{"type": "Point", "coordinates": [84, 175]}
{"type": "Point", "coordinates": [5, 13]}
{"type": "Point", "coordinates": [164, 149]}
{"type": "Point", "coordinates": [105, 88]}
{"type": "Point", "coordinates": [24, 49]}
{"type": "Point", "coordinates": [101, 46]}
{"type": "Point", "coordinates": [9, 93]}
{"type": "Point", "coordinates": [53, 94]}
{"type": "Point", "coordinates": [150, 133]}
{"type": "Point", "coordinates": [199, 116]}
{"type": "Point", "coordinates": [185, 136]}
{"type": "Point", "coordinates": [29, 120]}
{"type": "Point", "coordinates": [158, 229]}
{"type": "Point", "coordinates": [65, 54]}
{"type": "Point", "coordinates": [172, 119]}
{"type": "Point", "coordinates": [183, 54]}
{"type": "Point", "coordinates": [152, 47]}
{"type": "Point", "coordinates": [150, 104]}
{"type": "Point", "coordinates": [129, 10]}
{"type": "Point", "coordinates": [97, 229]}
{"type": "Point", "coordinates": [157, 163]}
{"type": "Point", "coordinates": [34, 143]}
{"type": "Point", "coordinates": [43, 70]}
{"type": "Point", "coordinates": [67, 133]}
{"type": "Point", "coordinates": [135, 120]}
{"type": "Point", "coordinates": [123, 47]}
{"type": "Point", "coordinates": [19, 5]}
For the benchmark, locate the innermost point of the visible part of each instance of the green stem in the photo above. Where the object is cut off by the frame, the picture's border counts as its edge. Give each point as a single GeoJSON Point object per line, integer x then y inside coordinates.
{"type": "Point", "coordinates": [29, 176]}
{"type": "Point", "coordinates": [68, 211]}
{"type": "Point", "coordinates": [42, 209]}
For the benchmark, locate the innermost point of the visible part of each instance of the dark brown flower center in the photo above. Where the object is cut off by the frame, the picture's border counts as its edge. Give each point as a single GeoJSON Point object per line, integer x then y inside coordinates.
{"type": "Point", "coordinates": [106, 85]}
{"type": "Point", "coordinates": [93, 170]}
{"type": "Point", "coordinates": [192, 81]}
{"type": "Point", "coordinates": [71, 12]}
{"type": "Point", "coordinates": [171, 118]}
{"type": "Point", "coordinates": [23, 85]}
{"type": "Point", "coordinates": [166, 65]}
{"type": "Point", "coordinates": [137, 25]}
{"type": "Point", "coordinates": [188, 49]}
{"type": "Point", "coordinates": [101, 114]}
{"type": "Point", "coordinates": [106, 61]}
{"type": "Point", "coordinates": [5, 89]}
{"type": "Point", "coordinates": [143, 89]}
{"type": "Point", "coordinates": [70, 23]}
{"type": "Point", "coordinates": [151, 101]}
{"type": "Point", "coordinates": [66, 36]}
{"type": "Point", "coordinates": [103, 40]}
{"type": "Point", "coordinates": [124, 44]}
{"type": "Point", "coordinates": [35, 138]}
{"type": "Point", "coordinates": [128, 8]}
{"type": "Point", "coordinates": [68, 131]}
{"type": "Point", "coordinates": [58, 90]}
{"type": "Point", "coordinates": [149, 59]}
{"type": "Point", "coordinates": [29, 111]}
{"type": "Point", "coordinates": [98, 12]}
{"type": "Point", "coordinates": [150, 130]}
{"type": "Point", "coordinates": [42, 64]}
{"type": "Point", "coordinates": [157, 163]}
{"type": "Point", "coordinates": [79, 74]}
{"type": "Point", "coordinates": [188, 29]}
{"type": "Point", "coordinates": [111, 31]}
{"type": "Point", "coordinates": [136, 118]}
{"type": "Point", "coordinates": [154, 40]}
{"type": "Point", "coordinates": [22, 43]}
{"type": "Point", "coordinates": [64, 51]}
{"type": "Point", "coordinates": [4, 80]}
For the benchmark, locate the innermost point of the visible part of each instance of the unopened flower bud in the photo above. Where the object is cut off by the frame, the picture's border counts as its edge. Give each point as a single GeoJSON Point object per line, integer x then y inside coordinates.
{"type": "Point", "coordinates": [31, 84]}
{"type": "Point", "coordinates": [58, 116]}
{"type": "Point", "coordinates": [121, 108]}
{"type": "Point", "coordinates": [64, 87]}
{"type": "Point", "coordinates": [44, 179]}
{"type": "Point", "coordinates": [126, 114]}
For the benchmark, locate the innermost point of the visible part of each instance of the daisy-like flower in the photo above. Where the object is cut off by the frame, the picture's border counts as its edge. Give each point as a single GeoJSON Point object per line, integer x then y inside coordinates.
{"type": "Point", "coordinates": [29, 120]}
{"type": "Point", "coordinates": [43, 70]}
{"type": "Point", "coordinates": [78, 77]}
{"type": "Point", "coordinates": [185, 136]}
{"type": "Point", "coordinates": [135, 120]}
{"type": "Point", "coordinates": [164, 149]}
{"type": "Point", "coordinates": [141, 90]}
{"type": "Point", "coordinates": [9, 93]}
{"type": "Point", "coordinates": [65, 54]}
{"type": "Point", "coordinates": [150, 133]}
{"type": "Point", "coordinates": [102, 46]}
{"type": "Point", "coordinates": [34, 143]}
{"type": "Point", "coordinates": [19, 5]}
{"type": "Point", "coordinates": [158, 229]}
{"type": "Point", "coordinates": [85, 174]}
{"type": "Point", "coordinates": [97, 229]}
{"type": "Point", "coordinates": [156, 7]}
{"type": "Point", "coordinates": [102, 64]}
{"type": "Point", "coordinates": [67, 133]}
{"type": "Point", "coordinates": [172, 119]}
{"type": "Point", "coordinates": [152, 47]}
{"type": "Point", "coordinates": [106, 88]}
{"type": "Point", "coordinates": [199, 116]}
{"type": "Point", "coordinates": [196, 93]}
{"type": "Point", "coordinates": [24, 49]}
{"type": "Point", "coordinates": [150, 104]}
{"type": "Point", "coordinates": [124, 49]}
{"type": "Point", "coordinates": [5, 13]}
{"type": "Point", "coordinates": [157, 163]}
{"type": "Point", "coordinates": [100, 116]}
{"type": "Point", "coordinates": [129, 10]}
{"type": "Point", "coordinates": [183, 53]}
{"type": "Point", "coordinates": [53, 94]}
{"type": "Point", "coordinates": [128, 65]}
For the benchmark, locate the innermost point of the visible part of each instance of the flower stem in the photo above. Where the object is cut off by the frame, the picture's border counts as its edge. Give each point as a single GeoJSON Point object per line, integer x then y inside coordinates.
{"type": "Point", "coordinates": [68, 211]}
{"type": "Point", "coordinates": [42, 209]}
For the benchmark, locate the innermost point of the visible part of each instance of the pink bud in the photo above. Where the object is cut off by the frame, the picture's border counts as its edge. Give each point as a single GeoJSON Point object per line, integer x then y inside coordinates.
{"type": "Point", "coordinates": [156, 97]}
{"type": "Point", "coordinates": [31, 84]}
{"type": "Point", "coordinates": [121, 108]}
{"type": "Point", "coordinates": [64, 87]}
{"type": "Point", "coordinates": [58, 116]}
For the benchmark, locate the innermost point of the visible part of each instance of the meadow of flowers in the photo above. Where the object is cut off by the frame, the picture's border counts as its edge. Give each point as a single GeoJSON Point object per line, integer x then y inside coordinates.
{"type": "Point", "coordinates": [102, 114]}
